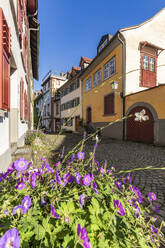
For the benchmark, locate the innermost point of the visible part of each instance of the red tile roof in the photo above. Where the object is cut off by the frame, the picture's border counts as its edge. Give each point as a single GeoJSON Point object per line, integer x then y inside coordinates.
{"type": "Point", "coordinates": [86, 59]}
{"type": "Point", "coordinates": [76, 68]}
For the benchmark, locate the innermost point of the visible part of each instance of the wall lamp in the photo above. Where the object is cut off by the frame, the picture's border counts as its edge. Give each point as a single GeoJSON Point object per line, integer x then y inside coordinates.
{"type": "Point", "coordinates": [114, 86]}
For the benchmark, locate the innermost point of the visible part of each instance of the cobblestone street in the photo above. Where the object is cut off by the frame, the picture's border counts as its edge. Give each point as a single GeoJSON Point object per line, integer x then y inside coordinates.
{"type": "Point", "coordinates": [130, 155]}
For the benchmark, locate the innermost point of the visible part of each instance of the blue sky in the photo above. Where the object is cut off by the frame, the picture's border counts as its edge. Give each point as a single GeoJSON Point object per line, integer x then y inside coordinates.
{"type": "Point", "coordinates": [70, 29]}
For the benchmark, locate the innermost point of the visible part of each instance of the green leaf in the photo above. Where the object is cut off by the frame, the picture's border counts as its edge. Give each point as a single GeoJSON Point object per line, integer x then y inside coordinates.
{"type": "Point", "coordinates": [39, 232]}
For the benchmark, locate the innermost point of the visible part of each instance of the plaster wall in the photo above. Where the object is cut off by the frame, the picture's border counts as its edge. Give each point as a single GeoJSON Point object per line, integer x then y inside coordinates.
{"type": "Point", "coordinates": [153, 32]}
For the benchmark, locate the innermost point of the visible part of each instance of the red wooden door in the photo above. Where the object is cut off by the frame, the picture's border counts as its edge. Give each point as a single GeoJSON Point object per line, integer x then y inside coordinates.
{"type": "Point", "coordinates": [140, 131]}
{"type": "Point", "coordinates": [89, 114]}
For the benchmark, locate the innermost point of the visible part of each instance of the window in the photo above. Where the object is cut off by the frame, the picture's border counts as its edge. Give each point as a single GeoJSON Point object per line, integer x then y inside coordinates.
{"type": "Point", "coordinates": [97, 78]}
{"type": "Point", "coordinates": [148, 71]}
{"type": "Point", "coordinates": [26, 107]}
{"type": "Point", "coordinates": [4, 63]}
{"type": "Point", "coordinates": [102, 45]}
{"type": "Point", "coordinates": [109, 104]}
{"type": "Point", "coordinates": [88, 84]}
{"type": "Point", "coordinates": [110, 68]}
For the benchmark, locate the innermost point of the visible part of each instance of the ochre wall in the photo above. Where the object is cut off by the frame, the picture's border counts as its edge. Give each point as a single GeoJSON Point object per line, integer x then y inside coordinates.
{"type": "Point", "coordinates": [95, 96]}
{"type": "Point", "coordinates": [154, 96]}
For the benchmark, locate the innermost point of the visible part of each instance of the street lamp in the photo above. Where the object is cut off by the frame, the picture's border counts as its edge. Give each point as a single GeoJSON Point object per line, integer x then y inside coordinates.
{"type": "Point", "coordinates": [115, 86]}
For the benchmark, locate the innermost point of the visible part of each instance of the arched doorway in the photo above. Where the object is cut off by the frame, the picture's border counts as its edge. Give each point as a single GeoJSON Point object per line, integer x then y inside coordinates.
{"type": "Point", "coordinates": [89, 114]}
{"type": "Point", "coordinates": [140, 130]}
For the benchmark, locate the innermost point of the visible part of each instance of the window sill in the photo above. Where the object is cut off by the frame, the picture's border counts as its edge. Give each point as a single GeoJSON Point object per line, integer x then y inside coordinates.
{"type": "Point", "coordinates": [109, 114]}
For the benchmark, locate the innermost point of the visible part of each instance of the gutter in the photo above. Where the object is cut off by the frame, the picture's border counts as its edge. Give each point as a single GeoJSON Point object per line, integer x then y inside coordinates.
{"type": "Point", "coordinates": [122, 40]}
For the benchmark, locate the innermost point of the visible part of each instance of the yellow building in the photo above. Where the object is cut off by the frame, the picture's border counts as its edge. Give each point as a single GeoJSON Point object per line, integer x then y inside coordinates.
{"type": "Point", "coordinates": [100, 104]}
{"type": "Point", "coordinates": [133, 62]}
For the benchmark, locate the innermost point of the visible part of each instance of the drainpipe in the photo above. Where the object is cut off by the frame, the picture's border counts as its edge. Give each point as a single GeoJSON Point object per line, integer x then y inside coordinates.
{"type": "Point", "coordinates": [122, 40]}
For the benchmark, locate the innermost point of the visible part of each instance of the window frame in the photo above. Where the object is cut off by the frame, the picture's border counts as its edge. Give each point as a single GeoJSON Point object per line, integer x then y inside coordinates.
{"type": "Point", "coordinates": [107, 110]}
{"type": "Point", "coordinates": [109, 66]}
{"type": "Point", "coordinates": [148, 74]}
{"type": "Point", "coordinates": [97, 81]}
{"type": "Point", "coordinates": [88, 84]}
{"type": "Point", "coordinates": [4, 63]}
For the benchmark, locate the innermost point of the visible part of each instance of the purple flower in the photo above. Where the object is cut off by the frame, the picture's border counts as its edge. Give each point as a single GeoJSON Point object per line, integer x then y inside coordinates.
{"type": "Point", "coordinates": [52, 184]}
{"type": "Point", "coordinates": [156, 208]}
{"type": "Point", "coordinates": [123, 179]}
{"type": "Point", "coordinates": [68, 178]}
{"type": "Point", "coordinates": [20, 186]}
{"type": "Point", "coordinates": [81, 200]}
{"type": "Point", "coordinates": [33, 180]}
{"type": "Point", "coordinates": [6, 212]}
{"type": "Point", "coordinates": [16, 208]}
{"type": "Point", "coordinates": [78, 177]}
{"type": "Point", "coordinates": [58, 178]}
{"type": "Point", "coordinates": [151, 196]}
{"type": "Point", "coordinates": [86, 180]}
{"type": "Point", "coordinates": [53, 212]}
{"type": "Point", "coordinates": [11, 168]}
{"type": "Point", "coordinates": [67, 219]}
{"type": "Point", "coordinates": [73, 157]}
{"type": "Point", "coordinates": [117, 204]}
{"type": "Point", "coordinates": [109, 172]}
{"type": "Point", "coordinates": [129, 178]}
{"type": "Point", "coordinates": [102, 170]}
{"type": "Point", "coordinates": [97, 163]}
{"type": "Point", "coordinates": [26, 204]}
{"type": "Point", "coordinates": [43, 202]}
{"type": "Point", "coordinates": [85, 135]}
{"type": "Point", "coordinates": [118, 184]}
{"type": "Point", "coordinates": [154, 229]}
{"type": "Point", "coordinates": [95, 187]}
{"type": "Point", "coordinates": [10, 239]}
{"type": "Point", "coordinates": [49, 169]}
{"type": "Point", "coordinates": [80, 155]}
{"type": "Point", "coordinates": [84, 236]}
{"type": "Point", "coordinates": [58, 164]}
{"type": "Point", "coordinates": [21, 164]}
{"type": "Point", "coordinates": [139, 194]}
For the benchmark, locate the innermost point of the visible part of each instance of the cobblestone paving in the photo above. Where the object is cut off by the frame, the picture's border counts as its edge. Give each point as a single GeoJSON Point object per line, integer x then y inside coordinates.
{"type": "Point", "coordinates": [130, 155]}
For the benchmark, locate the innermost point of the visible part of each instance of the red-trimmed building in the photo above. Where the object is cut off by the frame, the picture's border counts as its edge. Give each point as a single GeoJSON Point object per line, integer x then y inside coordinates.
{"type": "Point", "coordinates": [19, 52]}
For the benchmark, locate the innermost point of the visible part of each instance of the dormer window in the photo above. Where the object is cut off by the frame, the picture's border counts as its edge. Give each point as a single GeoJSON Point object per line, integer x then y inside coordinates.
{"type": "Point", "coordinates": [103, 42]}
{"type": "Point", "coordinates": [102, 45]}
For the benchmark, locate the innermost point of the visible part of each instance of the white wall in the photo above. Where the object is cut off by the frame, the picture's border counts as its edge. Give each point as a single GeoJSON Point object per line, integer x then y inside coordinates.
{"type": "Point", "coordinates": [152, 32]}
{"type": "Point", "coordinates": [14, 83]}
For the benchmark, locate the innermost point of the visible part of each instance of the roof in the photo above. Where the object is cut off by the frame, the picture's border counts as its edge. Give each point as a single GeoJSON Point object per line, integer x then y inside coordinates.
{"type": "Point", "coordinates": [146, 43]}
{"type": "Point", "coordinates": [120, 32]}
{"type": "Point", "coordinates": [32, 9]}
{"type": "Point", "coordinates": [76, 68]}
{"type": "Point", "coordinates": [84, 59]}
{"type": "Point", "coordinates": [52, 76]}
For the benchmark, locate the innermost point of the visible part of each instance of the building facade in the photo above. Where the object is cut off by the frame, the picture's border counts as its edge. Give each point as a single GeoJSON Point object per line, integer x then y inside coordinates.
{"type": "Point", "coordinates": [18, 66]}
{"type": "Point", "coordinates": [100, 104]}
{"type": "Point", "coordinates": [51, 83]}
{"type": "Point", "coordinates": [71, 98]}
{"type": "Point", "coordinates": [117, 82]}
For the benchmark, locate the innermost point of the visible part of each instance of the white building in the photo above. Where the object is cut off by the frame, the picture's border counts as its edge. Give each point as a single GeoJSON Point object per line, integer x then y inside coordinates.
{"type": "Point", "coordinates": [71, 98]}
{"type": "Point", "coordinates": [18, 65]}
{"type": "Point", "coordinates": [50, 84]}
{"type": "Point", "coordinates": [145, 48]}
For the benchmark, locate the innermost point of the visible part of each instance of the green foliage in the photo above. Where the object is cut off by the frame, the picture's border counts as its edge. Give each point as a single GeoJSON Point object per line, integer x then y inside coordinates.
{"type": "Point", "coordinates": [32, 135]}
{"type": "Point", "coordinates": [38, 227]}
